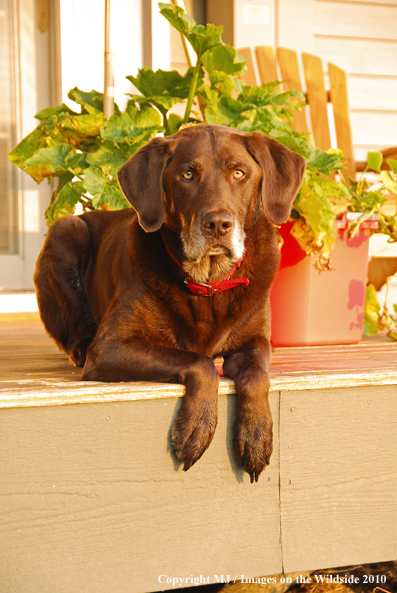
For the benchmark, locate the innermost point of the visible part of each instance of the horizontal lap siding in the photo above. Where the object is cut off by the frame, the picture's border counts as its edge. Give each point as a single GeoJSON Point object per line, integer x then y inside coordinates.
{"type": "Point", "coordinates": [373, 130]}
{"type": "Point", "coordinates": [361, 37]}
{"type": "Point", "coordinates": [338, 477]}
{"type": "Point", "coordinates": [92, 499]}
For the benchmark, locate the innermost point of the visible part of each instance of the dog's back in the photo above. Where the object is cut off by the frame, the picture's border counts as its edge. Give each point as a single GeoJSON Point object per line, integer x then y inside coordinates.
{"type": "Point", "coordinates": [77, 273]}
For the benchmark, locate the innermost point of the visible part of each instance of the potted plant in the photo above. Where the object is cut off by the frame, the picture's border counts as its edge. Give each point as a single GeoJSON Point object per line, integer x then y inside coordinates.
{"type": "Point", "coordinates": [309, 308]}
{"type": "Point", "coordinates": [84, 150]}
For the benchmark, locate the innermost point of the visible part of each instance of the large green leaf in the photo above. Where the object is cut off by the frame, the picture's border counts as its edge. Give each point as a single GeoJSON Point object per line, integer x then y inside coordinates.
{"type": "Point", "coordinates": [87, 124]}
{"type": "Point", "coordinates": [131, 123]}
{"type": "Point", "coordinates": [50, 111]}
{"type": "Point", "coordinates": [224, 110]}
{"type": "Point", "coordinates": [109, 158]}
{"type": "Point", "coordinates": [90, 102]}
{"type": "Point", "coordinates": [375, 160]}
{"type": "Point", "coordinates": [55, 157]}
{"type": "Point", "coordinates": [60, 128]}
{"type": "Point", "coordinates": [134, 127]}
{"type": "Point", "coordinates": [315, 230]}
{"type": "Point", "coordinates": [46, 162]}
{"type": "Point", "coordinates": [26, 148]}
{"type": "Point", "coordinates": [206, 42]}
{"type": "Point", "coordinates": [257, 95]}
{"type": "Point", "coordinates": [163, 88]}
{"type": "Point", "coordinates": [222, 59]}
{"type": "Point", "coordinates": [201, 38]}
{"type": "Point", "coordinates": [295, 142]}
{"type": "Point", "coordinates": [104, 190]}
{"type": "Point", "coordinates": [64, 200]}
{"type": "Point", "coordinates": [144, 118]}
{"type": "Point", "coordinates": [56, 129]}
{"type": "Point", "coordinates": [325, 162]}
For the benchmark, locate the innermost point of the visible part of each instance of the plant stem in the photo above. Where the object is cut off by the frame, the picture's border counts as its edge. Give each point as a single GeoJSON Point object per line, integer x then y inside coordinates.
{"type": "Point", "coordinates": [193, 88]}
{"type": "Point", "coordinates": [387, 290]}
{"type": "Point", "coordinates": [354, 228]}
{"type": "Point", "coordinates": [75, 174]}
{"type": "Point", "coordinates": [165, 123]}
{"type": "Point", "coordinates": [86, 203]}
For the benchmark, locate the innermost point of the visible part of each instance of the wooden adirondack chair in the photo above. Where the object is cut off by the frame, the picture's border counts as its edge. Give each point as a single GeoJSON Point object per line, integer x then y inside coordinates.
{"type": "Point", "coordinates": [286, 68]}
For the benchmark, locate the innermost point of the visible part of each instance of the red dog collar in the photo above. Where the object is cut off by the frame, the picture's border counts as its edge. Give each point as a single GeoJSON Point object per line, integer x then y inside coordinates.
{"type": "Point", "coordinates": [211, 288]}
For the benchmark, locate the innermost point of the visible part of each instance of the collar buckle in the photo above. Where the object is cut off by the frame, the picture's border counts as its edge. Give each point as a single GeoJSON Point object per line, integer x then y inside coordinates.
{"type": "Point", "coordinates": [209, 292]}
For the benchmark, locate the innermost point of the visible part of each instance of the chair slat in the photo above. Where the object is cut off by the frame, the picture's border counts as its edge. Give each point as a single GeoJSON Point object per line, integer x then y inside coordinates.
{"type": "Point", "coordinates": [340, 105]}
{"type": "Point", "coordinates": [249, 77]}
{"type": "Point", "coordinates": [267, 65]}
{"type": "Point", "coordinates": [317, 100]}
{"type": "Point", "coordinates": [289, 67]}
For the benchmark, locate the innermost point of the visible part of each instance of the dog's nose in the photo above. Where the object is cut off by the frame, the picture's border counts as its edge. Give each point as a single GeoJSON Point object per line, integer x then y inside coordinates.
{"type": "Point", "coordinates": [218, 223]}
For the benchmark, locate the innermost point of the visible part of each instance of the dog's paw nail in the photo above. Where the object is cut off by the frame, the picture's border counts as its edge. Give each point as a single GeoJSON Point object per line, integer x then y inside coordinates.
{"type": "Point", "coordinates": [254, 476]}
{"type": "Point", "coordinates": [188, 464]}
{"type": "Point", "coordinates": [253, 445]}
{"type": "Point", "coordinates": [192, 435]}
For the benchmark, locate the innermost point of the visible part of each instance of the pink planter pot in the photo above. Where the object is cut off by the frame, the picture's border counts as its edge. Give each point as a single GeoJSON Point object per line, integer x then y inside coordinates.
{"type": "Point", "coordinates": [309, 308]}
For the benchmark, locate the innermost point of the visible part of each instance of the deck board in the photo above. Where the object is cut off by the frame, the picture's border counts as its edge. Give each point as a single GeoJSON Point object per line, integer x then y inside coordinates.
{"type": "Point", "coordinates": [34, 372]}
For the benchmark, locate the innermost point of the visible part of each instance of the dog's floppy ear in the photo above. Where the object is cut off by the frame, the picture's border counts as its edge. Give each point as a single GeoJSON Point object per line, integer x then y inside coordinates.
{"type": "Point", "coordinates": [141, 181]}
{"type": "Point", "coordinates": [283, 172]}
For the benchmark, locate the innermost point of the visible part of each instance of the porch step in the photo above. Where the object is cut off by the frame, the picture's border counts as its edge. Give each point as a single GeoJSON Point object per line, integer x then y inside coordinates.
{"type": "Point", "coordinates": [93, 496]}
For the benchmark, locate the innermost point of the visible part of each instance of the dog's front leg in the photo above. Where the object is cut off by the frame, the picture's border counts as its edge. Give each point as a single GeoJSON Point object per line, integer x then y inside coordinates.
{"type": "Point", "coordinates": [138, 360]}
{"type": "Point", "coordinates": [253, 427]}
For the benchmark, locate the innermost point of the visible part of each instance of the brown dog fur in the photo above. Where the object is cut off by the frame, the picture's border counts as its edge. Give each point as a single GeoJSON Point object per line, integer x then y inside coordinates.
{"type": "Point", "coordinates": [112, 297]}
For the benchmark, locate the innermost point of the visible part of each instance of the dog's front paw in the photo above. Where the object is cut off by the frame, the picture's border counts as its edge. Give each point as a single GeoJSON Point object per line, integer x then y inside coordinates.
{"type": "Point", "coordinates": [193, 430]}
{"type": "Point", "coordinates": [253, 441]}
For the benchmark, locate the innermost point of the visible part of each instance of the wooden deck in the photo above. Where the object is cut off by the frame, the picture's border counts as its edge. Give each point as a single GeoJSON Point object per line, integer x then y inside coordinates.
{"type": "Point", "coordinates": [93, 498]}
{"type": "Point", "coordinates": [33, 372]}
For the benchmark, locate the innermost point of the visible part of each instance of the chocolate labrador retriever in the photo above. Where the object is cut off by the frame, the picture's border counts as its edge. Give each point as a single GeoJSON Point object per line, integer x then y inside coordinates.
{"type": "Point", "coordinates": [156, 292]}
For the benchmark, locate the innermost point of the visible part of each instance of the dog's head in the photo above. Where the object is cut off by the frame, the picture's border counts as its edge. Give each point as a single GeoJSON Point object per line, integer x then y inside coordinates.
{"type": "Point", "coordinates": [205, 184]}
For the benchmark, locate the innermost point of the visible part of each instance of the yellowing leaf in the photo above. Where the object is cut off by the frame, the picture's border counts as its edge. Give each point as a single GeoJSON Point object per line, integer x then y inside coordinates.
{"type": "Point", "coordinates": [86, 124]}
{"type": "Point", "coordinates": [388, 181]}
{"type": "Point", "coordinates": [371, 311]}
{"type": "Point", "coordinates": [315, 230]}
{"type": "Point", "coordinates": [64, 201]}
{"type": "Point", "coordinates": [26, 148]}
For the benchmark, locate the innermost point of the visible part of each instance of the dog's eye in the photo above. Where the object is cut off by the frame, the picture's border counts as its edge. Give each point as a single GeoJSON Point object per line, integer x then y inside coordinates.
{"type": "Point", "coordinates": [187, 175]}
{"type": "Point", "coordinates": [238, 174]}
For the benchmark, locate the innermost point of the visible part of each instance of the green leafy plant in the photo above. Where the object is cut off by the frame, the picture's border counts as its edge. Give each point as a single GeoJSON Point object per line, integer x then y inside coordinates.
{"type": "Point", "coordinates": [84, 150]}
{"type": "Point", "coordinates": [377, 318]}
{"type": "Point", "coordinates": [370, 199]}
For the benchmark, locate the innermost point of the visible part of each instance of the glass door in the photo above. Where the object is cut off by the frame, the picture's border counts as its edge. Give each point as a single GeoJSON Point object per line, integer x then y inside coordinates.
{"type": "Point", "coordinates": [28, 51]}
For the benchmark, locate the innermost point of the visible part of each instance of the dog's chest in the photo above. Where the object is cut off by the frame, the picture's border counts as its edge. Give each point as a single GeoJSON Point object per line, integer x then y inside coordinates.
{"type": "Point", "coordinates": [207, 327]}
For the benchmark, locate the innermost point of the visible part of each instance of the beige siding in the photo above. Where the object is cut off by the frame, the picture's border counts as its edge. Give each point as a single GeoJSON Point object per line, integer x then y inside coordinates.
{"type": "Point", "coordinates": [93, 499]}
{"type": "Point", "coordinates": [361, 37]}
{"type": "Point", "coordinates": [333, 472]}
